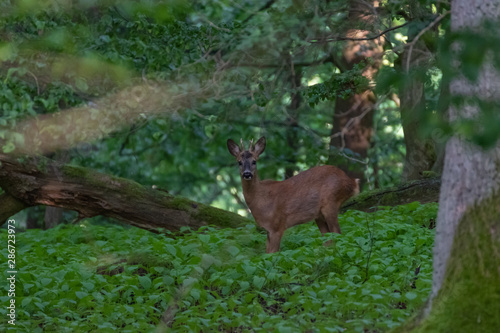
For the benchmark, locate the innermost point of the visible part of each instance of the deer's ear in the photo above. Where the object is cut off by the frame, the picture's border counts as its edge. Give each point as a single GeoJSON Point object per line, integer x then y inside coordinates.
{"type": "Point", "coordinates": [260, 146]}
{"type": "Point", "coordinates": [233, 148]}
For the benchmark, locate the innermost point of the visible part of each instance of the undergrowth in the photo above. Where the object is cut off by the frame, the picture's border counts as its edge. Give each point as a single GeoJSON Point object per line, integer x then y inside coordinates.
{"type": "Point", "coordinates": [90, 277]}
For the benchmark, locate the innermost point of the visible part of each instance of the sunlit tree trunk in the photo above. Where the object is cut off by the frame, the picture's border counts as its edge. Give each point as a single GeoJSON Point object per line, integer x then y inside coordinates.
{"type": "Point", "coordinates": [354, 116]}
{"type": "Point", "coordinates": [466, 279]}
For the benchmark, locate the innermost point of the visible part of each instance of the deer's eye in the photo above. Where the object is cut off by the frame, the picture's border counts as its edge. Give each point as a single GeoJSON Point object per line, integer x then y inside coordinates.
{"type": "Point", "coordinates": [254, 162]}
{"type": "Point", "coordinates": [240, 163]}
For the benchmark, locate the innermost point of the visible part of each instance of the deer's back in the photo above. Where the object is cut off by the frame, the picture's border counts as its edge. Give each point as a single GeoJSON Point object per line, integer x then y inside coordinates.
{"type": "Point", "coordinates": [299, 199]}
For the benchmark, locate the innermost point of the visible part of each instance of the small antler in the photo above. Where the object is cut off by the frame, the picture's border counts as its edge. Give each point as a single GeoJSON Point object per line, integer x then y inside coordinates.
{"type": "Point", "coordinates": [241, 145]}
{"type": "Point", "coordinates": [251, 147]}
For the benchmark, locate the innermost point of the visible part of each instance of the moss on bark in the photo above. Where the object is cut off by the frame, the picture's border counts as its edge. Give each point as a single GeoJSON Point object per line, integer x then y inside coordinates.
{"type": "Point", "coordinates": [423, 190]}
{"type": "Point", "coordinates": [469, 300]}
{"type": "Point", "coordinates": [220, 217]}
{"type": "Point", "coordinates": [92, 193]}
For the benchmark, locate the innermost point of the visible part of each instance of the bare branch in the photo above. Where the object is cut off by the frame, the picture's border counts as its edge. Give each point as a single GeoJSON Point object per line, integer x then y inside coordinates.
{"type": "Point", "coordinates": [341, 38]}
{"type": "Point", "coordinates": [417, 37]}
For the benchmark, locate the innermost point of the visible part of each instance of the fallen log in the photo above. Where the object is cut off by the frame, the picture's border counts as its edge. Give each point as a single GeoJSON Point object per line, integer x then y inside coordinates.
{"type": "Point", "coordinates": [41, 181]}
{"type": "Point", "coordinates": [424, 190]}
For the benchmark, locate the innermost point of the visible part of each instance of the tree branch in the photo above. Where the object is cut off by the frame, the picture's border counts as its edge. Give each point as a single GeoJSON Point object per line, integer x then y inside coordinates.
{"type": "Point", "coordinates": [417, 37]}
{"type": "Point", "coordinates": [342, 38]}
{"type": "Point", "coordinates": [266, 6]}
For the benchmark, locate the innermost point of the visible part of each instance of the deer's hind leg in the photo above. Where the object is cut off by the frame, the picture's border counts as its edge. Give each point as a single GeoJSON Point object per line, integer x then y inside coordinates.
{"type": "Point", "coordinates": [323, 227]}
{"type": "Point", "coordinates": [321, 223]}
{"type": "Point", "coordinates": [274, 241]}
{"type": "Point", "coordinates": [331, 216]}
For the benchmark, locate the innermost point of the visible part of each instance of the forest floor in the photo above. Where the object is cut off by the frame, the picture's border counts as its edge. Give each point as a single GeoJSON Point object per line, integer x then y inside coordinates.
{"type": "Point", "coordinates": [105, 277]}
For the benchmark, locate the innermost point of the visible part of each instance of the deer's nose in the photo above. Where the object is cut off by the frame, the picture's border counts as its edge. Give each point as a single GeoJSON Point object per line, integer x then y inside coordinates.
{"type": "Point", "coordinates": [247, 175]}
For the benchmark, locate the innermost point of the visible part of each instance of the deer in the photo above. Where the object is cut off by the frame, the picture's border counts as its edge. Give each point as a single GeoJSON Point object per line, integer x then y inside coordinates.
{"type": "Point", "coordinates": [314, 194]}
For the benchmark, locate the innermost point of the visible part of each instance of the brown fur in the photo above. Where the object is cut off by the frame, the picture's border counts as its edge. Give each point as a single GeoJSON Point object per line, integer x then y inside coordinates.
{"type": "Point", "coordinates": [315, 194]}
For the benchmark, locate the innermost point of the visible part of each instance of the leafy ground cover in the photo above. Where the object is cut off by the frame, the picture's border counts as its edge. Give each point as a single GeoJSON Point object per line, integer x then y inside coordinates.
{"type": "Point", "coordinates": [105, 278]}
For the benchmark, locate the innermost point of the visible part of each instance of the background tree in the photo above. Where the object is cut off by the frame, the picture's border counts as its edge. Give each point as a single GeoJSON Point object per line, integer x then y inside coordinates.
{"type": "Point", "coordinates": [465, 293]}
{"type": "Point", "coordinates": [353, 118]}
{"type": "Point", "coordinates": [243, 71]}
{"type": "Point", "coordinates": [418, 62]}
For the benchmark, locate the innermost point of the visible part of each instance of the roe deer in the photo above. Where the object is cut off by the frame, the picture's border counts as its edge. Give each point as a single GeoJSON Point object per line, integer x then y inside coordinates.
{"type": "Point", "coordinates": [315, 194]}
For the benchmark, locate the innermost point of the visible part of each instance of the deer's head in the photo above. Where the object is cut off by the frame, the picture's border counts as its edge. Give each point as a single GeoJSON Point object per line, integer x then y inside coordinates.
{"type": "Point", "coordinates": [247, 159]}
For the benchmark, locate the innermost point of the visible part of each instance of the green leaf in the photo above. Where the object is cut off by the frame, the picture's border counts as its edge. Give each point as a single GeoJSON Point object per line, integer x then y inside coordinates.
{"type": "Point", "coordinates": [410, 295]}
{"type": "Point", "coordinates": [195, 293]}
{"type": "Point", "coordinates": [204, 238]}
{"type": "Point", "coordinates": [88, 285]}
{"type": "Point", "coordinates": [233, 250]}
{"type": "Point", "coordinates": [249, 269]}
{"type": "Point", "coordinates": [45, 281]}
{"type": "Point", "coordinates": [172, 250]}
{"type": "Point", "coordinates": [145, 282]}
{"type": "Point", "coordinates": [9, 147]}
{"type": "Point", "coordinates": [189, 281]}
{"type": "Point", "coordinates": [26, 301]}
{"type": "Point", "coordinates": [81, 294]}
{"type": "Point", "coordinates": [258, 281]}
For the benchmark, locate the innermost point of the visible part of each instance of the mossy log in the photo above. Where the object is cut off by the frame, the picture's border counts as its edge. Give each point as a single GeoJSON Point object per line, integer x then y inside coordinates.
{"type": "Point", "coordinates": [9, 206]}
{"type": "Point", "coordinates": [45, 182]}
{"type": "Point", "coordinates": [423, 190]}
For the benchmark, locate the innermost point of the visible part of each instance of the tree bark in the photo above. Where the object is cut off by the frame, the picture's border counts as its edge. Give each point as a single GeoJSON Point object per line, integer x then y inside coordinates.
{"type": "Point", "coordinates": [357, 110]}
{"type": "Point", "coordinates": [465, 288]}
{"type": "Point", "coordinates": [9, 206]}
{"type": "Point", "coordinates": [91, 193]}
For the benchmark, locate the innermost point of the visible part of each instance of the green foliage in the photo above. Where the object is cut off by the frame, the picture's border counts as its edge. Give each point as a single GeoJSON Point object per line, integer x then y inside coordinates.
{"type": "Point", "coordinates": [343, 86]}
{"type": "Point", "coordinates": [90, 277]}
{"type": "Point", "coordinates": [58, 57]}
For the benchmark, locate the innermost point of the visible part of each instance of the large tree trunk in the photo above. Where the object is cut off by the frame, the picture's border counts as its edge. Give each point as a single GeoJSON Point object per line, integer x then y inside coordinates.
{"type": "Point", "coordinates": [466, 282]}
{"type": "Point", "coordinates": [91, 193]}
{"type": "Point", "coordinates": [353, 118]}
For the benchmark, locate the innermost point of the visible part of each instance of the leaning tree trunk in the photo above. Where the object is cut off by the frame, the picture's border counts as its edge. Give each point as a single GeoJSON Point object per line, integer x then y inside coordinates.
{"type": "Point", "coordinates": [353, 118]}
{"type": "Point", "coordinates": [422, 153]}
{"type": "Point", "coordinates": [466, 282]}
{"type": "Point", "coordinates": [44, 182]}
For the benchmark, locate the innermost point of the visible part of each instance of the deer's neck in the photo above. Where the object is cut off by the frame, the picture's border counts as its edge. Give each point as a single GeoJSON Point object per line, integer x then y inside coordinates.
{"type": "Point", "coordinates": [251, 189]}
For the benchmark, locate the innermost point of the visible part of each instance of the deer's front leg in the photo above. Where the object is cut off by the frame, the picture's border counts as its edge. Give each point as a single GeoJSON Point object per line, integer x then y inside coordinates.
{"type": "Point", "coordinates": [273, 241]}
